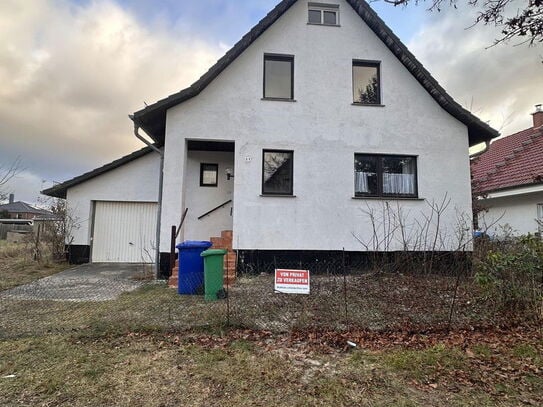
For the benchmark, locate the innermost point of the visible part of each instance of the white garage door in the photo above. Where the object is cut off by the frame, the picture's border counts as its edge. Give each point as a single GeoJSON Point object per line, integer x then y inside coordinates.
{"type": "Point", "coordinates": [124, 232]}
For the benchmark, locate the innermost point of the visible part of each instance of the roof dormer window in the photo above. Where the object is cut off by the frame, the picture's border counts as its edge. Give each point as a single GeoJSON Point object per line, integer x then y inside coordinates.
{"type": "Point", "coordinates": [323, 14]}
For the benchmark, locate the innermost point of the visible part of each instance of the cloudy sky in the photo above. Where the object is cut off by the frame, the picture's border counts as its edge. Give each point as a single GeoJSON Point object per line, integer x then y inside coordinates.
{"type": "Point", "coordinates": [72, 70]}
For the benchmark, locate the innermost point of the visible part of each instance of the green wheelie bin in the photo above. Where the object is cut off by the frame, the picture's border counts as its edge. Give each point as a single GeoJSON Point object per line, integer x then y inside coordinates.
{"type": "Point", "coordinates": [213, 273]}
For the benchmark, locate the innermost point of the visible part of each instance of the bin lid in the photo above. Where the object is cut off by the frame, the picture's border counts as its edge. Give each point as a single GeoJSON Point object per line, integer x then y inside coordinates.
{"type": "Point", "coordinates": [194, 244]}
{"type": "Point", "coordinates": [213, 252]}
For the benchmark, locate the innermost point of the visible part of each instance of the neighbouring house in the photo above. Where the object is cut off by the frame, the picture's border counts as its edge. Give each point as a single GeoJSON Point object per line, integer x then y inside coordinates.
{"type": "Point", "coordinates": [316, 119]}
{"type": "Point", "coordinates": [508, 178]}
{"type": "Point", "coordinates": [22, 210]}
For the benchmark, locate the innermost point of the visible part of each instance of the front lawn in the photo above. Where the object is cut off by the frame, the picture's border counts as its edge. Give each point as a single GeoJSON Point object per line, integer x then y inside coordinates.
{"type": "Point", "coordinates": [251, 368]}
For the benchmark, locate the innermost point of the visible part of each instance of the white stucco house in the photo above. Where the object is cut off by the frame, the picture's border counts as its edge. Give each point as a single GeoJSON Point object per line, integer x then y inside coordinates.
{"type": "Point", "coordinates": [508, 178]}
{"type": "Point", "coordinates": [316, 117]}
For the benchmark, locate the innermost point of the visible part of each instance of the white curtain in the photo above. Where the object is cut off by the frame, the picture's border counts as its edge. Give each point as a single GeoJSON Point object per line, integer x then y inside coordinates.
{"type": "Point", "coordinates": [399, 184]}
{"type": "Point", "coordinates": [361, 181]}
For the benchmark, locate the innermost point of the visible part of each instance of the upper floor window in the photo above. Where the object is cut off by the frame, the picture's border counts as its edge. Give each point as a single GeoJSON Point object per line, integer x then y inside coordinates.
{"type": "Point", "coordinates": [385, 175]}
{"type": "Point", "coordinates": [278, 77]}
{"type": "Point", "coordinates": [324, 14]}
{"type": "Point", "coordinates": [366, 82]}
{"type": "Point", "coordinates": [277, 172]}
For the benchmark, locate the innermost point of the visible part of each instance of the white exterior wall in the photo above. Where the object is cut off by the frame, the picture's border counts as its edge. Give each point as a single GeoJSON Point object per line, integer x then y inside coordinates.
{"type": "Point", "coordinates": [136, 181]}
{"type": "Point", "coordinates": [325, 130]}
{"type": "Point", "coordinates": [518, 212]}
{"type": "Point", "coordinates": [200, 200]}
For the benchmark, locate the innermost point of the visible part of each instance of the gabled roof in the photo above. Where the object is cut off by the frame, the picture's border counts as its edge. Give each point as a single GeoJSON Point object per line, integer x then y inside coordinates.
{"type": "Point", "coordinates": [23, 207]}
{"type": "Point", "coordinates": [152, 118]}
{"type": "Point", "coordinates": [512, 161]}
{"type": "Point", "coordinates": [59, 190]}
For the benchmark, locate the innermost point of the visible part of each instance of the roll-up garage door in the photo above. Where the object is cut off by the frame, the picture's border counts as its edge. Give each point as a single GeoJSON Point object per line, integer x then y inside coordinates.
{"type": "Point", "coordinates": [124, 232]}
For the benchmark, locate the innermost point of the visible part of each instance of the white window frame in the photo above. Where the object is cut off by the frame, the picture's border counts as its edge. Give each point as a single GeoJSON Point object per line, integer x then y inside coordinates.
{"type": "Point", "coordinates": [322, 7]}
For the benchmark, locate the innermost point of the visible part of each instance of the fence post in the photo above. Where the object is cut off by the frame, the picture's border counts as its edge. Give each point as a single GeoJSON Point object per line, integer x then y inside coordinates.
{"type": "Point", "coordinates": [172, 249]}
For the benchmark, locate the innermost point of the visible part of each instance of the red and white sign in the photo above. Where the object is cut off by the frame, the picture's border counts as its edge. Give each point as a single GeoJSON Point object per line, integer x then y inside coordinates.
{"type": "Point", "coordinates": [292, 281]}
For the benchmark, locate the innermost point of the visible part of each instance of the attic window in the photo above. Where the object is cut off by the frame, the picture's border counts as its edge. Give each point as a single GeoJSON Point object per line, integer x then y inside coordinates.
{"type": "Point", "coordinates": [323, 14]}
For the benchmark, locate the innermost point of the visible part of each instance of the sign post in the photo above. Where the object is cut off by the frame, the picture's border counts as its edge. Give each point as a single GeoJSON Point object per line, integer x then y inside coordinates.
{"type": "Point", "coordinates": [291, 281]}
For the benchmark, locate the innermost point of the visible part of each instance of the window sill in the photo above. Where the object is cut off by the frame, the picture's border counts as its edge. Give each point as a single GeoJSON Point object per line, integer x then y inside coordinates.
{"type": "Point", "coordinates": [325, 25]}
{"type": "Point", "coordinates": [279, 99]}
{"type": "Point", "coordinates": [389, 198]}
{"type": "Point", "coordinates": [277, 196]}
{"type": "Point", "coordinates": [367, 104]}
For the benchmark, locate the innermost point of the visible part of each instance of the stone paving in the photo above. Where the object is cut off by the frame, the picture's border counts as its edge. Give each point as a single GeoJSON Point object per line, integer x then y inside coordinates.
{"type": "Point", "coordinates": [87, 282]}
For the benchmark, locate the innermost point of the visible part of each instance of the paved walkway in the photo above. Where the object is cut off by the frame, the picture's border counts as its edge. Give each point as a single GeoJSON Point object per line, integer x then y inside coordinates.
{"type": "Point", "coordinates": [87, 282]}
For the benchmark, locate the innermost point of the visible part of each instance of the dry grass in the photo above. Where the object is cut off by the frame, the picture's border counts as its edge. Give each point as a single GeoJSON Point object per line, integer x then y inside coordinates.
{"type": "Point", "coordinates": [172, 370]}
{"type": "Point", "coordinates": [17, 266]}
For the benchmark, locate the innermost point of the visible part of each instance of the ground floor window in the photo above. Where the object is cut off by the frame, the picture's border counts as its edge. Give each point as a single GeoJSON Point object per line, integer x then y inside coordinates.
{"type": "Point", "coordinates": [277, 172]}
{"type": "Point", "coordinates": [209, 175]}
{"type": "Point", "coordinates": [377, 175]}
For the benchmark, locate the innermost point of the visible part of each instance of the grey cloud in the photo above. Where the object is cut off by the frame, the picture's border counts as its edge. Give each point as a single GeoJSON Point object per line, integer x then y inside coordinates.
{"type": "Point", "coordinates": [500, 84]}
{"type": "Point", "coordinates": [70, 76]}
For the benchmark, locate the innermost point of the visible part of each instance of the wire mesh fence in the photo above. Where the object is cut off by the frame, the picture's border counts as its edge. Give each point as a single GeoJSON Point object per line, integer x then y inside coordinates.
{"type": "Point", "coordinates": [361, 293]}
{"type": "Point", "coordinates": [344, 294]}
{"type": "Point", "coordinates": [112, 305]}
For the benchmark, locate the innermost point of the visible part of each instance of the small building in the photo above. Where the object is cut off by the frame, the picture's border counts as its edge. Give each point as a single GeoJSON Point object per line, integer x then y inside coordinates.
{"type": "Point", "coordinates": [508, 179]}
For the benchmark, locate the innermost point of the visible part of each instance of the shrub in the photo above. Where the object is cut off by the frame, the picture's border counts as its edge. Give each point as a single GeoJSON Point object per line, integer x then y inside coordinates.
{"type": "Point", "coordinates": [511, 273]}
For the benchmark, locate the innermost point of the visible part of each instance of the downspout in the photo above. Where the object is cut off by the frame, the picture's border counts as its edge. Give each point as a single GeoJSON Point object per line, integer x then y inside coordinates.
{"type": "Point", "coordinates": [160, 181]}
{"type": "Point", "coordinates": [477, 154]}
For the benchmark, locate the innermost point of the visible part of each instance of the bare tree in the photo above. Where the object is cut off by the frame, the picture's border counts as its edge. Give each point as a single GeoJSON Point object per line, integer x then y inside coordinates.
{"type": "Point", "coordinates": [7, 172]}
{"type": "Point", "coordinates": [517, 19]}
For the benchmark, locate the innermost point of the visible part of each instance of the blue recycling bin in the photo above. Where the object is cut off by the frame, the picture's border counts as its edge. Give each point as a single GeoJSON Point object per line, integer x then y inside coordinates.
{"type": "Point", "coordinates": [191, 266]}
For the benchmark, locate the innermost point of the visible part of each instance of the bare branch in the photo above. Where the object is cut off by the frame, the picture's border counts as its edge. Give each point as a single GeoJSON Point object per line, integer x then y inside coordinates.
{"type": "Point", "coordinates": [7, 172]}
{"type": "Point", "coordinates": [524, 22]}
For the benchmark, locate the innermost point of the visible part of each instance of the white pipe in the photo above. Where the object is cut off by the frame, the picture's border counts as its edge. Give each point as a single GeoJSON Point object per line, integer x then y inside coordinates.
{"type": "Point", "coordinates": [160, 181]}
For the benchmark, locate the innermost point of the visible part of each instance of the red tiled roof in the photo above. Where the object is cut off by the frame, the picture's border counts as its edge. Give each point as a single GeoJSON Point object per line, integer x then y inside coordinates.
{"type": "Point", "coordinates": [511, 161]}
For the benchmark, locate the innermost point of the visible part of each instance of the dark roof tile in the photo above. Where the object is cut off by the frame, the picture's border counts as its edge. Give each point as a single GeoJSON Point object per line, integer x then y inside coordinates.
{"type": "Point", "coordinates": [23, 207]}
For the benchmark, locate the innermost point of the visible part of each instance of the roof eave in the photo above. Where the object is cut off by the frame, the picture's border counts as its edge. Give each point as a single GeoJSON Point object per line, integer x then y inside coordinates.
{"type": "Point", "coordinates": [509, 188]}
{"type": "Point", "coordinates": [58, 191]}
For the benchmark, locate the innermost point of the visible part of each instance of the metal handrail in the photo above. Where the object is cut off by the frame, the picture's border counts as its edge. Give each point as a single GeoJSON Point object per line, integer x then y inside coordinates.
{"type": "Point", "coordinates": [214, 209]}
{"type": "Point", "coordinates": [182, 221]}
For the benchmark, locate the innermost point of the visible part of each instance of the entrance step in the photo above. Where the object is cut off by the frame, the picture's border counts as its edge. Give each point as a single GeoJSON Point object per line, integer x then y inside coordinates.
{"type": "Point", "coordinates": [224, 241]}
{"type": "Point", "coordinates": [174, 278]}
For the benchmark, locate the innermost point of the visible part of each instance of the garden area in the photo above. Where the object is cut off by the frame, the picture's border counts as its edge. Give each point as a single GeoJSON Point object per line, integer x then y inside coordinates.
{"type": "Point", "coordinates": [376, 336]}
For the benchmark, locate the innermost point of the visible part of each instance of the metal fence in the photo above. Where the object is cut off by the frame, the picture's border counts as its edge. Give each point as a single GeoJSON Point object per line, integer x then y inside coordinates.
{"type": "Point", "coordinates": [343, 295]}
